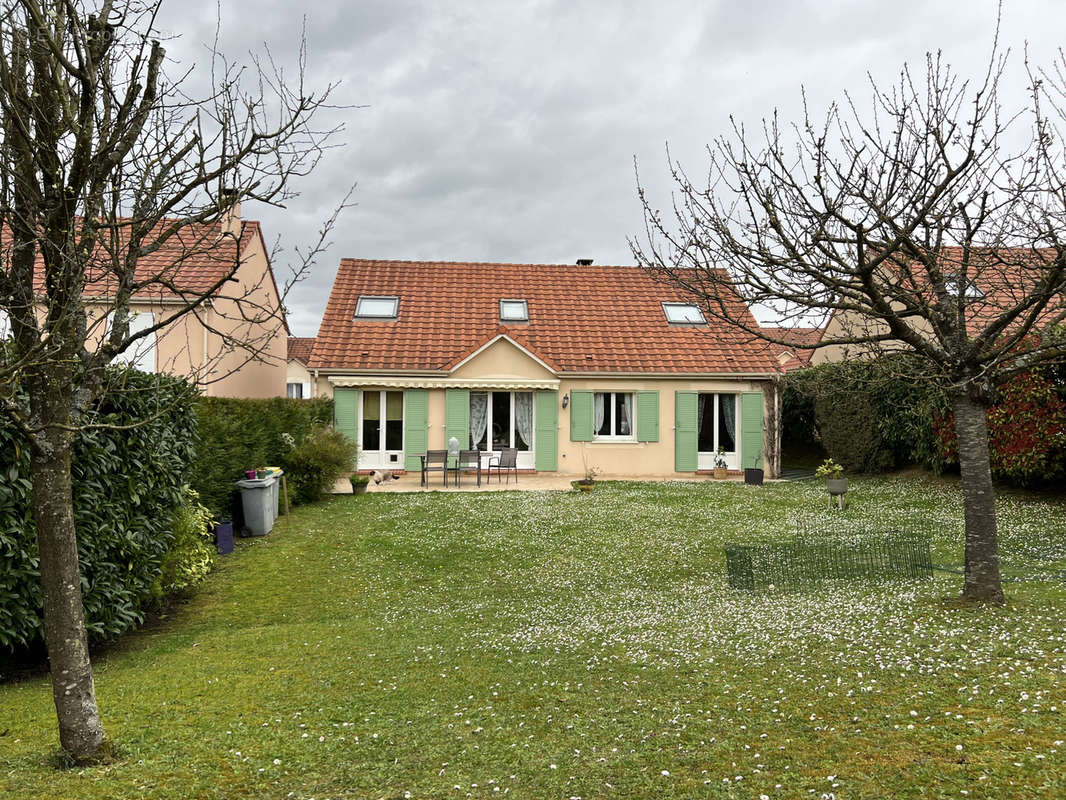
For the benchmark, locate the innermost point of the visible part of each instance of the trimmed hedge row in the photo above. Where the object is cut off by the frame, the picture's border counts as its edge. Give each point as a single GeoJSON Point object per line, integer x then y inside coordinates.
{"type": "Point", "coordinates": [239, 434]}
{"type": "Point", "coordinates": [872, 416]}
{"type": "Point", "coordinates": [127, 485]}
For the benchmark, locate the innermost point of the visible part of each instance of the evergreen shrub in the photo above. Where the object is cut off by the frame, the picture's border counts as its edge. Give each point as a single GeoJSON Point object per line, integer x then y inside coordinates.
{"type": "Point", "coordinates": [239, 434]}
{"type": "Point", "coordinates": [128, 479]}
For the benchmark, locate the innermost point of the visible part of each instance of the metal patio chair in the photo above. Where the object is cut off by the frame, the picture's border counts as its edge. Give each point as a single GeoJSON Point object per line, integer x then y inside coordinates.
{"type": "Point", "coordinates": [468, 460]}
{"type": "Point", "coordinates": [434, 461]}
{"type": "Point", "coordinates": [507, 461]}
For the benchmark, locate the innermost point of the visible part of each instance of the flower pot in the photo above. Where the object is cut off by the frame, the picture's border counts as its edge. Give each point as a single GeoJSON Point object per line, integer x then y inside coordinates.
{"type": "Point", "coordinates": [250, 474]}
{"type": "Point", "coordinates": [359, 488]}
{"type": "Point", "coordinates": [753, 477]}
{"type": "Point", "coordinates": [721, 473]}
{"type": "Point", "coordinates": [836, 486]}
{"type": "Point", "coordinates": [584, 485]}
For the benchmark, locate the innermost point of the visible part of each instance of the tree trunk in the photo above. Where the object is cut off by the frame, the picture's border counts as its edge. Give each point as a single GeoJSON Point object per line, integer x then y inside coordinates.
{"type": "Point", "coordinates": [982, 583]}
{"type": "Point", "coordinates": [81, 731]}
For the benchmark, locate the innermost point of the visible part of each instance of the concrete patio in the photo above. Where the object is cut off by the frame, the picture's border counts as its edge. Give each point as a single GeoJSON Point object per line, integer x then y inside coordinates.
{"type": "Point", "coordinates": [527, 482]}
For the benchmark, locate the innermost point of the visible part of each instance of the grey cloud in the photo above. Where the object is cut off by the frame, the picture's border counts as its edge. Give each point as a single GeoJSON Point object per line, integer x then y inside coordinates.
{"type": "Point", "coordinates": [507, 130]}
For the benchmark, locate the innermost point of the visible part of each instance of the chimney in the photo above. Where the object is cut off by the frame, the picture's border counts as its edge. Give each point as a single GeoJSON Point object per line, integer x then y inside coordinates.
{"type": "Point", "coordinates": [229, 200]}
{"type": "Point", "coordinates": [584, 262]}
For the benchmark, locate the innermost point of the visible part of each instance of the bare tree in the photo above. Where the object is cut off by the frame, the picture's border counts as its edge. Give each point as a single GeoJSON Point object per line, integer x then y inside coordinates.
{"type": "Point", "coordinates": [931, 221]}
{"type": "Point", "coordinates": [113, 181]}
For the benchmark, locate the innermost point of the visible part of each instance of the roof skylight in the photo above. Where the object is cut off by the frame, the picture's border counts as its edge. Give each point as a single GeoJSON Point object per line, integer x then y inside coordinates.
{"type": "Point", "coordinates": [683, 314]}
{"type": "Point", "coordinates": [370, 307]}
{"type": "Point", "coordinates": [514, 311]}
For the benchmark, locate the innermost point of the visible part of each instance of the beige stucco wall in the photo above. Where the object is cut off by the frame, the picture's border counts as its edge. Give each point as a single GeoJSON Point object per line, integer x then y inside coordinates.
{"type": "Point", "coordinates": [503, 360]}
{"type": "Point", "coordinates": [296, 372]}
{"type": "Point", "coordinates": [635, 458]}
{"type": "Point", "coordinates": [257, 370]}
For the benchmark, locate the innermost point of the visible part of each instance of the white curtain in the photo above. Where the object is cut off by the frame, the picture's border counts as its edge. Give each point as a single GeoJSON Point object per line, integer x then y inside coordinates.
{"type": "Point", "coordinates": [479, 416]}
{"type": "Point", "coordinates": [699, 414]}
{"type": "Point", "coordinates": [625, 425]}
{"type": "Point", "coordinates": [523, 416]}
{"type": "Point", "coordinates": [728, 409]}
{"type": "Point", "coordinates": [597, 422]}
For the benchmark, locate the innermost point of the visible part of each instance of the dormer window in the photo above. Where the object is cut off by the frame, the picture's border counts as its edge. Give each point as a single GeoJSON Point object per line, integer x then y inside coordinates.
{"type": "Point", "coordinates": [370, 307]}
{"type": "Point", "coordinates": [971, 292]}
{"type": "Point", "coordinates": [683, 314]}
{"type": "Point", "coordinates": [514, 311]}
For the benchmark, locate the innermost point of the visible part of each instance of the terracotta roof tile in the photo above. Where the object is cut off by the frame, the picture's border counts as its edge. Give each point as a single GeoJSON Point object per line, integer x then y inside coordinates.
{"type": "Point", "coordinates": [192, 261]}
{"type": "Point", "coordinates": [581, 319]}
{"type": "Point", "coordinates": [300, 348]}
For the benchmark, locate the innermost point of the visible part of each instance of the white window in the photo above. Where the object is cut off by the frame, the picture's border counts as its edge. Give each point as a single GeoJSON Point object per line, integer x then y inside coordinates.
{"type": "Point", "coordinates": [141, 353]}
{"type": "Point", "coordinates": [613, 415]}
{"type": "Point", "coordinates": [683, 314]}
{"type": "Point", "coordinates": [951, 286]}
{"type": "Point", "coordinates": [370, 307]}
{"type": "Point", "coordinates": [514, 311]}
{"type": "Point", "coordinates": [294, 391]}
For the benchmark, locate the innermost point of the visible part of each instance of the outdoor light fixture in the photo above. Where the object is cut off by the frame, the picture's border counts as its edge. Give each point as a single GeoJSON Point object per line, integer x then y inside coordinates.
{"type": "Point", "coordinates": [566, 400]}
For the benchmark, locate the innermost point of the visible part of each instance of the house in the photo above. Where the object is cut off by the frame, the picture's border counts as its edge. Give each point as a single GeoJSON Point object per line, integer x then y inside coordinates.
{"type": "Point", "coordinates": [234, 344]}
{"type": "Point", "coordinates": [297, 375]}
{"type": "Point", "coordinates": [996, 287]}
{"type": "Point", "coordinates": [576, 366]}
{"type": "Point", "coordinates": [799, 348]}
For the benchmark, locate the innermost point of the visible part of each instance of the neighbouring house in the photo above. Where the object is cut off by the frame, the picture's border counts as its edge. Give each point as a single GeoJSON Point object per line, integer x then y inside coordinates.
{"type": "Point", "coordinates": [995, 286]}
{"type": "Point", "coordinates": [576, 366]}
{"type": "Point", "coordinates": [234, 344]}
{"type": "Point", "coordinates": [297, 376]}
{"type": "Point", "coordinates": [799, 350]}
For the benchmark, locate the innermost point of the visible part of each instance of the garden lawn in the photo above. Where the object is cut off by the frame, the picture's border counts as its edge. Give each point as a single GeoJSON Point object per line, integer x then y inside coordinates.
{"type": "Point", "coordinates": [561, 645]}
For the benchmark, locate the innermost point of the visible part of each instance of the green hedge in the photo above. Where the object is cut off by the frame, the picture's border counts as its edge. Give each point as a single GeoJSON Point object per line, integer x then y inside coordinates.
{"type": "Point", "coordinates": [127, 485]}
{"type": "Point", "coordinates": [870, 416]}
{"type": "Point", "coordinates": [240, 434]}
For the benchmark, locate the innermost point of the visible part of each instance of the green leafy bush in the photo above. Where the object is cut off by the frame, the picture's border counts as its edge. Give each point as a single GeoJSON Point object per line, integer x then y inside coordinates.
{"type": "Point", "coordinates": [870, 416]}
{"type": "Point", "coordinates": [191, 552]}
{"type": "Point", "coordinates": [314, 464]}
{"type": "Point", "coordinates": [127, 483]}
{"type": "Point", "coordinates": [239, 434]}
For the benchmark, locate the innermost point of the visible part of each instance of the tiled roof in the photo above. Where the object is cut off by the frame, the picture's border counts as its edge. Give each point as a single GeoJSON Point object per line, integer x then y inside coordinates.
{"type": "Point", "coordinates": [581, 319]}
{"type": "Point", "coordinates": [300, 348]}
{"type": "Point", "coordinates": [192, 261]}
{"type": "Point", "coordinates": [800, 348]}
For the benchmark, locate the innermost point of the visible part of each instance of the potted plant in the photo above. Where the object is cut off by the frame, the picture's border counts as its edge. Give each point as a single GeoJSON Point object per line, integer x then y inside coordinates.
{"type": "Point", "coordinates": [585, 484]}
{"type": "Point", "coordinates": [835, 482]}
{"type": "Point", "coordinates": [721, 469]}
{"type": "Point", "coordinates": [753, 476]}
{"type": "Point", "coordinates": [359, 483]}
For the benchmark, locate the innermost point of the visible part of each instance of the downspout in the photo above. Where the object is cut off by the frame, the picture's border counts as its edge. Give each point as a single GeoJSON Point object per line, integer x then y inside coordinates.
{"type": "Point", "coordinates": [203, 357]}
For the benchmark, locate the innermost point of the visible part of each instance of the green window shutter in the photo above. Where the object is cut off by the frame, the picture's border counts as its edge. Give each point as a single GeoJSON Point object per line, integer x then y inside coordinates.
{"type": "Point", "coordinates": [647, 416]}
{"type": "Point", "coordinates": [546, 435]}
{"type": "Point", "coordinates": [346, 412]}
{"type": "Point", "coordinates": [457, 417]}
{"type": "Point", "coordinates": [415, 427]}
{"type": "Point", "coordinates": [686, 410]}
{"type": "Point", "coordinates": [580, 416]}
{"type": "Point", "coordinates": [751, 432]}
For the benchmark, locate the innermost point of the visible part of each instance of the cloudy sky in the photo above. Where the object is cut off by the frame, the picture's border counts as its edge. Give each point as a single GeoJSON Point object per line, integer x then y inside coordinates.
{"type": "Point", "coordinates": [506, 130]}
